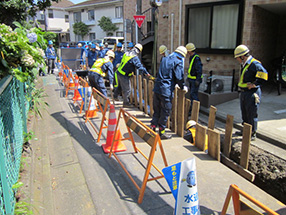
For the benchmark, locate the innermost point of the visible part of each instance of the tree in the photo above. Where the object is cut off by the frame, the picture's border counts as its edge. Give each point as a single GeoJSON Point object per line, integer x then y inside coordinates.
{"type": "Point", "coordinates": [18, 10]}
{"type": "Point", "coordinates": [79, 28]}
{"type": "Point", "coordinates": [106, 25]}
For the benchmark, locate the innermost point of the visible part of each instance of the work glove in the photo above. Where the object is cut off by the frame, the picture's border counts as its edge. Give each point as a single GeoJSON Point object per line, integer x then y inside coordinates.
{"type": "Point", "coordinates": [150, 77]}
{"type": "Point", "coordinates": [177, 86]}
{"type": "Point", "coordinates": [257, 99]}
{"type": "Point", "coordinates": [185, 89]}
{"type": "Point", "coordinates": [111, 87]}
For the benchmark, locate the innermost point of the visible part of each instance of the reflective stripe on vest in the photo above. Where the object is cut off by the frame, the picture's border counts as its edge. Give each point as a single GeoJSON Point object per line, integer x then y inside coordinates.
{"type": "Point", "coordinates": [124, 60]}
{"type": "Point", "coordinates": [240, 83]}
{"type": "Point", "coordinates": [190, 68]}
{"type": "Point", "coordinates": [115, 79]}
{"type": "Point", "coordinates": [96, 67]}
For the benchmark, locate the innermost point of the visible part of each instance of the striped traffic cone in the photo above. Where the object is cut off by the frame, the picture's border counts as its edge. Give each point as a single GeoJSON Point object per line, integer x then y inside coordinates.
{"type": "Point", "coordinates": [92, 110]}
{"type": "Point", "coordinates": [76, 95]}
{"type": "Point", "coordinates": [118, 146]}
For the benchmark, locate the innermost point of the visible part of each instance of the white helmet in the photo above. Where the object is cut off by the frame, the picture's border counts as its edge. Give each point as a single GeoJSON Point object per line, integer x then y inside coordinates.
{"type": "Point", "coordinates": [190, 124]}
{"type": "Point", "coordinates": [110, 53]}
{"type": "Point", "coordinates": [181, 50]}
{"type": "Point", "coordinates": [139, 47]}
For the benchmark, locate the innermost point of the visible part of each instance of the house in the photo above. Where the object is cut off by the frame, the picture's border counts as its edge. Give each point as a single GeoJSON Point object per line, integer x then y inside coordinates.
{"type": "Point", "coordinates": [56, 19]}
{"type": "Point", "coordinates": [89, 12]}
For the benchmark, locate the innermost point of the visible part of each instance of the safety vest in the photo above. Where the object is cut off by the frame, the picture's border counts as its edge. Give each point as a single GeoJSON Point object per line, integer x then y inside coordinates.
{"type": "Point", "coordinates": [190, 68]}
{"type": "Point", "coordinates": [96, 67]}
{"type": "Point", "coordinates": [259, 74]}
{"type": "Point", "coordinates": [124, 60]}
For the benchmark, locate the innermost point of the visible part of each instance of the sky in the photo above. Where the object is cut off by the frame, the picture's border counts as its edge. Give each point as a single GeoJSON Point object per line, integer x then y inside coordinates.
{"type": "Point", "coordinates": [77, 1]}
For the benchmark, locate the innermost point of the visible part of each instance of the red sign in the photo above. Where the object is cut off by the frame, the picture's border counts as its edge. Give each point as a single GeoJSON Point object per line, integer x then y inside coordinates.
{"type": "Point", "coordinates": [139, 20]}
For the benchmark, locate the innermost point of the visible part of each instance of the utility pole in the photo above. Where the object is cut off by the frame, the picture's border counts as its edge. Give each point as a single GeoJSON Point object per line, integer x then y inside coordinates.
{"type": "Point", "coordinates": [139, 12]}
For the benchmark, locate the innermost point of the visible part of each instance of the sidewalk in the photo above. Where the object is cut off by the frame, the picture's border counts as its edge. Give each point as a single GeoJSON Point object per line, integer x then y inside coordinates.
{"type": "Point", "coordinates": [72, 175]}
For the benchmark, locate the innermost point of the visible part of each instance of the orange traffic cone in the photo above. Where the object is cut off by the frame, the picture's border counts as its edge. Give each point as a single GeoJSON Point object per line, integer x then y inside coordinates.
{"type": "Point", "coordinates": [118, 146]}
{"type": "Point", "coordinates": [76, 95]}
{"type": "Point", "coordinates": [92, 109]}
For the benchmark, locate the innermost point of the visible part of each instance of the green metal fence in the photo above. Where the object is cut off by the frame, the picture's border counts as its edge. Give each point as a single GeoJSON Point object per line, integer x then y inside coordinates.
{"type": "Point", "coordinates": [13, 114]}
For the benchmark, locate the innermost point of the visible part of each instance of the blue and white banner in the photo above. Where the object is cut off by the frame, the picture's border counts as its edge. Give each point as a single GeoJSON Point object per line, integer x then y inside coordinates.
{"type": "Point", "coordinates": [182, 180]}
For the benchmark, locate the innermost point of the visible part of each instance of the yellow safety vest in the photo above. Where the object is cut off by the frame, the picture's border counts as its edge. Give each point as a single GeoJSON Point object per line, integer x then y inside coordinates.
{"type": "Point", "coordinates": [259, 74]}
{"type": "Point", "coordinates": [124, 60]}
{"type": "Point", "coordinates": [190, 68]}
{"type": "Point", "coordinates": [96, 67]}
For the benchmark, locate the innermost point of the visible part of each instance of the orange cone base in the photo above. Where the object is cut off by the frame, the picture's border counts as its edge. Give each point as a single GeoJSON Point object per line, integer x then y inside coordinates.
{"type": "Point", "coordinates": [118, 145]}
{"type": "Point", "coordinates": [76, 96]}
{"type": "Point", "coordinates": [91, 114]}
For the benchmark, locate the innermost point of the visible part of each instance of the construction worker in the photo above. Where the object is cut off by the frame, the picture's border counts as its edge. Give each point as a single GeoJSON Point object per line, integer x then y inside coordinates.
{"type": "Point", "coordinates": [194, 74]}
{"type": "Point", "coordinates": [102, 67]}
{"type": "Point", "coordinates": [101, 52]}
{"type": "Point", "coordinates": [130, 46]}
{"type": "Point", "coordinates": [171, 72]}
{"type": "Point", "coordinates": [91, 56]}
{"type": "Point", "coordinates": [51, 57]}
{"type": "Point", "coordinates": [252, 76]}
{"type": "Point", "coordinates": [118, 57]}
{"type": "Point", "coordinates": [106, 47]}
{"type": "Point", "coordinates": [129, 63]}
{"type": "Point", "coordinates": [190, 132]}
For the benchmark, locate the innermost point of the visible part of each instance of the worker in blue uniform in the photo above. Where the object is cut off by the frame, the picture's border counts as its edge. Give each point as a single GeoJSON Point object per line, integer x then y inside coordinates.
{"type": "Point", "coordinates": [129, 63]}
{"type": "Point", "coordinates": [252, 76]}
{"type": "Point", "coordinates": [101, 68]}
{"type": "Point", "coordinates": [51, 57]}
{"type": "Point", "coordinates": [171, 72]}
{"type": "Point", "coordinates": [101, 52]}
{"type": "Point", "coordinates": [117, 60]}
{"type": "Point", "coordinates": [130, 46]}
{"type": "Point", "coordinates": [91, 56]}
{"type": "Point", "coordinates": [194, 74]}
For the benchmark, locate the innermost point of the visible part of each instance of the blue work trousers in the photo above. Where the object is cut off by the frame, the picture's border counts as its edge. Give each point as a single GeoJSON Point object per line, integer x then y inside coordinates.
{"type": "Point", "coordinates": [194, 92]}
{"type": "Point", "coordinates": [96, 81]}
{"type": "Point", "coordinates": [162, 107]}
{"type": "Point", "coordinates": [249, 108]}
{"type": "Point", "coordinates": [125, 84]}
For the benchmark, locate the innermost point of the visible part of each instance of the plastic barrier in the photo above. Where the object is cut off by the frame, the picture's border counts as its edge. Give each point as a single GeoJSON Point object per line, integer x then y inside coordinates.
{"type": "Point", "coordinates": [103, 103]}
{"type": "Point", "coordinates": [150, 137]}
{"type": "Point", "coordinates": [82, 85]}
{"type": "Point", "coordinates": [239, 206]}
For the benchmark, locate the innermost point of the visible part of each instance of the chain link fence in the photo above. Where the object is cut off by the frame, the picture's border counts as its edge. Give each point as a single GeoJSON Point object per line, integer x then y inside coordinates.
{"type": "Point", "coordinates": [13, 114]}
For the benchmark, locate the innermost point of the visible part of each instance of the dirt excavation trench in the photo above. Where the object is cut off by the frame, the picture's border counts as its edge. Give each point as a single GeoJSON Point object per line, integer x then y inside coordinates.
{"type": "Point", "coordinates": [269, 170]}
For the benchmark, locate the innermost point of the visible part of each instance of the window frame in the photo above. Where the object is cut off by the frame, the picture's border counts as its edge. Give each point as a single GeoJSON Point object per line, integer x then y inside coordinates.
{"type": "Point", "coordinates": [89, 16]}
{"type": "Point", "coordinates": [67, 18]}
{"type": "Point", "coordinates": [211, 5]}
{"type": "Point", "coordinates": [75, 21]}
{"type": "Point", "coordinates": [50, 13]}
{"type": "Point", "coordinates": [117, 10]}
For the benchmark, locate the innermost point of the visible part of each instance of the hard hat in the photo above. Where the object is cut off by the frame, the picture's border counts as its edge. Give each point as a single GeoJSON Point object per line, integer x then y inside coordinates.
{"type": "Point", "coordinates": [106, 43]}
{"type": "Point", "coordinates": [162, 49]}
{"type": "Point", "coordinates": [100, 44]}
{"type": "Point", "coordinates": [119, 45]}
{"type": "Point", "coordinates": [93, 46]}
{"type": "Point", "coordinates": [181, 50]}
{"type": "Point", "coordinates": [130, 45]}
{"type": "Point", "coordinates": [190, 124]}
{"type": "Point", "coordinates": [50, 42]}
{"type": "Point", "coordinates": [240, 50]}
{"type": "Point", "coordinates": [90, 43]}
{"type": "Point", "coordinates": [139, 47]}
{"type": "Point", "coordinates": [110, 53]}
{"type": "Point", "coordinates": [80, 45]}
{"type": "Point", "coordinates": [190, 47]}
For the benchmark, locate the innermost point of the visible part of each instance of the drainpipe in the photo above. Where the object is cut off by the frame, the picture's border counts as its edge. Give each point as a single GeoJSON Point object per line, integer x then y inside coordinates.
{"type": "Point", "coordinates": [180, 22]}
{"type": "Point", "coordinates": [172, 32]}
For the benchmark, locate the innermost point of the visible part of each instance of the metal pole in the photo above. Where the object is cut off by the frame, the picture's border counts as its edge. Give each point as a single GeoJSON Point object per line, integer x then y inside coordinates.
{"type": "Point", "coordinates": [125, 35]}
{"type": "Point", "coordinates": [172, 32]}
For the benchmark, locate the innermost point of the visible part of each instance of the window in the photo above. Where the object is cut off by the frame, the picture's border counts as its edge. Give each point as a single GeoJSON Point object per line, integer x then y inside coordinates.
{"type": "Point", "coordinates": [119, 34]}
{"type": "Point", "coordinates": [92, 36]}
{"type": "Point", "coordinates": [42, 16]}
{"type": "Point", "coordinates": [51, 14]}
{"type": "Point", "coordinates": [91, 15]}
{"type": "Point", "coordinates": [118, 12]}
{"type": "Point", "coordinates": [77, 17]}
{"type": "Point", "coordinates": [214, 27]}
{"type": "Point", "coordinates": [66, 18]}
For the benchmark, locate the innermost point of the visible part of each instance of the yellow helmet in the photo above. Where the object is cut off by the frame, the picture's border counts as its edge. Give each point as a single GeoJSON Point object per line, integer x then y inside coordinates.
{"type": "Point", "coordinates": [110, 53]}
{"type": "Point", "coordinates": [240, 50]}
{"type": "Point", "coordinates": [139, 47]}
{"type": "Point", "coordinates": [181, 50]}
{"type": "Point", "coordinates": [162, 49]}
{"type": "Point", "coordinates": [190, 124]}
{"type": "Point", "coordinates": [190, 47]}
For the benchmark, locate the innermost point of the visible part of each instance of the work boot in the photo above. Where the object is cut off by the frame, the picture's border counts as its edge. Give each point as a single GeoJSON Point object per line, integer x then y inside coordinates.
{"type": "Point", "coordinates": [253, 137]}
{"type": "Point", "coordinates": [238, 133]}
{"type": "Point", "coordinates": [164, 136]}
{"type": "Point", "coordinates": [153, 127]}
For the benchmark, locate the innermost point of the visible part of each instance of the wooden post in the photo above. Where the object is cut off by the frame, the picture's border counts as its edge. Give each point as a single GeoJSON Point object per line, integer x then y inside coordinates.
{"type": "Point", "coordinates": [246, 136]}
{"type": "Point", "coordinates": [214, 144]}
{"type": "Point", "coordinates": [212, 113]}
{"type": "Point", "coordinates": [200, 136]}
{"type": "Point", "coordinates": [181, 111]}
{"type": "Point", "coordinates": [145, 96]}
{"type": "Point", "coordinates": [135, 91]}
{"type": "Point", "coordinates": [150, 96]}
{"type": "Point", "coordinates": [195, 110]}
{"type": "Point", "coordinates": [174, 112]}
{"type": "Point", "coordinates": [140, 92]}
{"type": "Point", "coordinates": [187, 108]}
{"type": "Point", "coordinates": [228, 135]}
